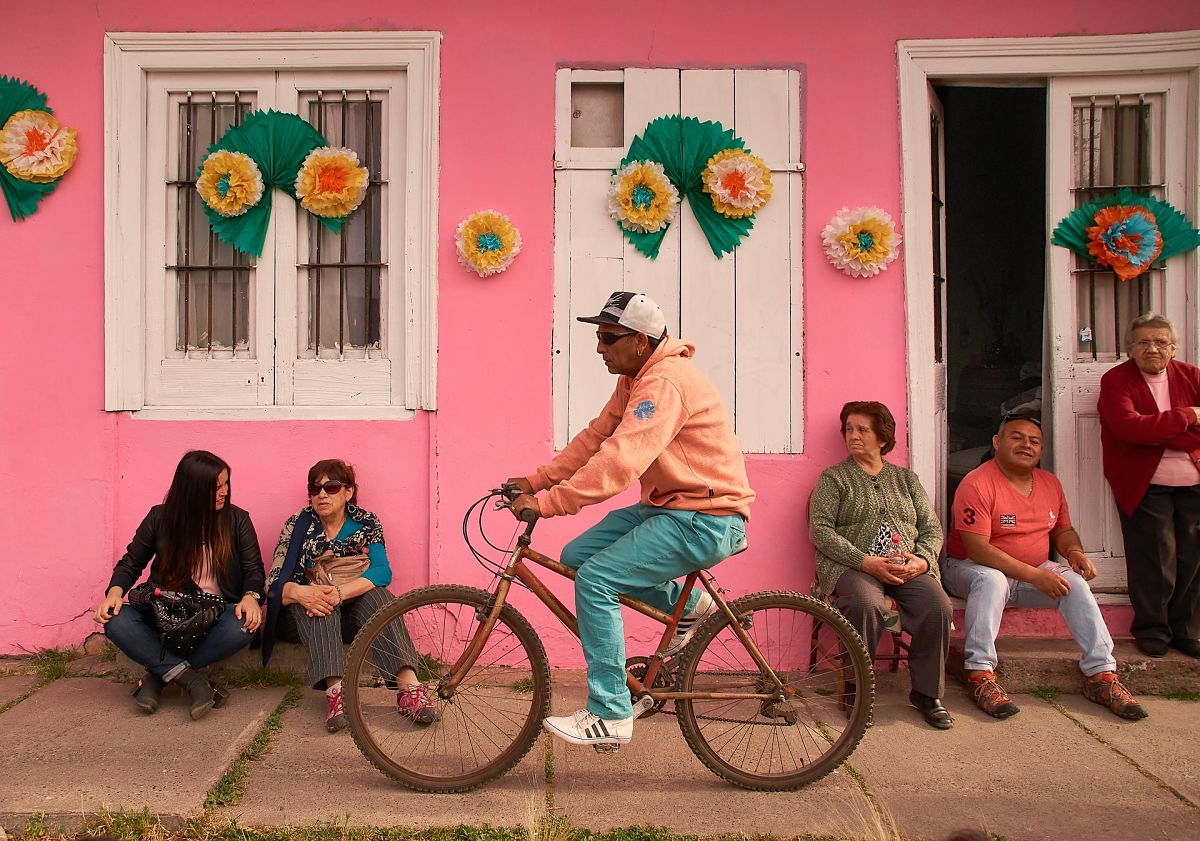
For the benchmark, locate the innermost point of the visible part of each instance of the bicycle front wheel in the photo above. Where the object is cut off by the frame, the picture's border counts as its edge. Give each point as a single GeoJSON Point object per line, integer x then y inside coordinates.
{"type": "Point", "coordinates": [806, 730]}
{"type": "Point", "coordinates": [489, 721]}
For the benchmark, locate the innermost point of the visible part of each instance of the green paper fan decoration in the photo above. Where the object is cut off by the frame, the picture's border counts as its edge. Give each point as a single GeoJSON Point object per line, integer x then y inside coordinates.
{"type": "Point", "coordinates": [1127, 232]}
{"type": "Point", "coordinates": [678, 157]}
{"type": "Point", "coordinates": [34, 149]}
{"type": "Point", "coordinates": [268, 149]}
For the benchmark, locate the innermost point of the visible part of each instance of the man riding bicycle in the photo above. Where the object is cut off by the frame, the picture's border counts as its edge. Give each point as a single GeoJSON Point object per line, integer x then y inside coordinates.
{"type": "Point", "coordinates": [666, 425]}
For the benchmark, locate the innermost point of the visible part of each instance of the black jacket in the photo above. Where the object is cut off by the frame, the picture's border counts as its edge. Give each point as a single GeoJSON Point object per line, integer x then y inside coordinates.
{"type": "Point", "coordinates": [244, 567]}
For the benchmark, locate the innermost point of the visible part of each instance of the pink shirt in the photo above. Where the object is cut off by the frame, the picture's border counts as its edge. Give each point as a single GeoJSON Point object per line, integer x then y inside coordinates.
{"type": "Point", "coordinates": [1176, 467]}
{"type": "Point", "coordinates": [207, 580]}
{"type": "Point", "coordinates": [987, 504]}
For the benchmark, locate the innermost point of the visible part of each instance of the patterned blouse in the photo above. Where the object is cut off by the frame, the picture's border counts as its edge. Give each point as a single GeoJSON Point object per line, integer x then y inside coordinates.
{"type": "Point", "coordinates": [362, 534]}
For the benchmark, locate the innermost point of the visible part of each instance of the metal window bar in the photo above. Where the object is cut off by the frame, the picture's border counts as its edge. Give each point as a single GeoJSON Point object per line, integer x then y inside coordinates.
{"type": "Point", "coordinates": [1106, 130]}
{"type": "Point", "coordinates": [351, 118]}
{"type": "Point", "coordinates": [201, 331]}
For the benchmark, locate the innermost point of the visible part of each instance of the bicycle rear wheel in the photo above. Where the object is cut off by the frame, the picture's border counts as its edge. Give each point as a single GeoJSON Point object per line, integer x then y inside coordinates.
{"type": "Point", "coordinates": [793, 740]}
{"type": "Point", "coordinates": [487, 724]}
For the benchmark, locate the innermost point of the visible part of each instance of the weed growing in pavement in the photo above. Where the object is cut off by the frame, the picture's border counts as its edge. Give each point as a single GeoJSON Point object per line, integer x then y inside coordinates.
{"type": "Point", "coordinates": [108, 653]}
{"type": "Point", "coordinates": [51, 663]}
{"type": "Point", "coordinates": [232, 785]}
{"type": "Point", "coordinates": [1046, 693]}
{"type": "Point", "coordinates": [38, 828]}
{"type": "Point", "coordinates": [262, 676]}
{"type": "Point", "coordinates": [1182, 695]}
{"type": "Point", "coordinates": [524, 685]}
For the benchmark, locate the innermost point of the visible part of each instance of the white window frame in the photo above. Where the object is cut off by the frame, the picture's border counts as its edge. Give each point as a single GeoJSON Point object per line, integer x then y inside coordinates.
{"type": "Point", "coordinates": [129, 59]}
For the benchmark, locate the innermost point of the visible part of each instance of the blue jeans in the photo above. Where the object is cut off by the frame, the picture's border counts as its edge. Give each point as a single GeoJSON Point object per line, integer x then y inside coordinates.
{"type": "Point", "coordinates": [133, 632]}
{"type": "Point", "coordinates": [988, 591]}
{"type": "Point", "coordinates": [637, 551]}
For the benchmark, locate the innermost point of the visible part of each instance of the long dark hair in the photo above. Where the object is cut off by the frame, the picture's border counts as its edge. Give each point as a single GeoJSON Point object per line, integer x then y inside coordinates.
{"type": "Point", "coordinates": [191, 521]}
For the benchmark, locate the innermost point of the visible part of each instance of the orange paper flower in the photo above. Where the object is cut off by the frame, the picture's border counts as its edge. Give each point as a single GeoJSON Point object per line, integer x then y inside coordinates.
{"type": "Point", "coordinates": [34, 147]}
{"type": "Point", "coordinates": [330, 182]}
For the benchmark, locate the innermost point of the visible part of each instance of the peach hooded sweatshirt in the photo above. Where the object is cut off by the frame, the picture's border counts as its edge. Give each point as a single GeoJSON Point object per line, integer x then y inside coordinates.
{"type": "Point", "coordinates": [667, 427]}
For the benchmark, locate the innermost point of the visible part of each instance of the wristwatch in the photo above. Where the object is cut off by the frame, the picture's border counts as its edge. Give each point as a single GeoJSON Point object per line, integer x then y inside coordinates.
{"type": "Point", "coordinates": [256, 596]}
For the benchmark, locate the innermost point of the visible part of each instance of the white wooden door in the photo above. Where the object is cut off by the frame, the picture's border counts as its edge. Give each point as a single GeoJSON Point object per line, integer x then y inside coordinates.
{"type": "Point", "coordinates": [1106, 132]}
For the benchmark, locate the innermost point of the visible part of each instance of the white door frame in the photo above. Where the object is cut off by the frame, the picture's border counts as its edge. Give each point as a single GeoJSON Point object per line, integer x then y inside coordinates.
{"type": "Point", "coordinates": [984, 62]}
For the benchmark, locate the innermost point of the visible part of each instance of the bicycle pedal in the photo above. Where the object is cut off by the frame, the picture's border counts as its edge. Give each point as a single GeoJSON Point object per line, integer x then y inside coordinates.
{"type": "Point", "coordinates": [642, 706]}
{"type": "Point", "coordinates": [607, 750]}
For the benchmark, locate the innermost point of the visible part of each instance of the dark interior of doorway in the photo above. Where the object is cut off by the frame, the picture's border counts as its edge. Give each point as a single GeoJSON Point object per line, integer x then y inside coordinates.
{"type": "Point", "coordinates": [995, 153]}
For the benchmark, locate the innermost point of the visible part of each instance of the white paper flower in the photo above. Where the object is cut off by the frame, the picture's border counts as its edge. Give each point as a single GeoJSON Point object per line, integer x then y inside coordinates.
{"type": "Point", "coordinates": [860, 242]}
{"type": "Point", "coordinates": [738, 182]}
{"type": "Point", "coordinates": [641, 198]}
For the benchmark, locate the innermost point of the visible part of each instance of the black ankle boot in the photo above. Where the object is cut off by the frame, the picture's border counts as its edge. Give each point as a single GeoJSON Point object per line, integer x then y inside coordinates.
{"type": "Point", "coordinates": [147, 693]}
{"type": "Point", "coordinates": [198, 690]}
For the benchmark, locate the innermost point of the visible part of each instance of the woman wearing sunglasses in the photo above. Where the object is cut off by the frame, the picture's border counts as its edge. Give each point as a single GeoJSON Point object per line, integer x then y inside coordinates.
{"type": "Point", "coordinates": [198, 540]}
{"type": "Point", "coordinates": [324, 613]}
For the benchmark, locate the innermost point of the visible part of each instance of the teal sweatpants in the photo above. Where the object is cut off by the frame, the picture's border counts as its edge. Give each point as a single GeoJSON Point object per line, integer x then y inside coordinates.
{"type": "Point", "coordinates": [637, 551]}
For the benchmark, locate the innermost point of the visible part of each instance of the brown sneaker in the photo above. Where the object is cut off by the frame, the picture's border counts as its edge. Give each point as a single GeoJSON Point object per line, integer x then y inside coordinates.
{"type": "Point", "coordinates": [1106, 690]}
{"type": "Point", "coordinates": [989, 695]}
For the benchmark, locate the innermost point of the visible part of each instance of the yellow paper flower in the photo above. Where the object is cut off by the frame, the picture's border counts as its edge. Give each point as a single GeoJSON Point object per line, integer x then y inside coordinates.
{"type": "Point", "coordinates": [230, 182]}
{"type": "Point", "coordinates": [739, 183]}
{"type": "Point", "coordinates": [330, 182]}
{"type": "Point", "coordinates": [641, 197]}
{"type": "Point", "coordinates": [487, 242]}
{"type": "Point", "coordinates": [34, 147]}
{"type": "Point", "coordinates": [860, 242]}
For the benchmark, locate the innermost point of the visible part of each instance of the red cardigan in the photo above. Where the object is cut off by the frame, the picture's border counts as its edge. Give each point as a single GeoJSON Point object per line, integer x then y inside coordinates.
{"type": "Point", "coordinates": [1134, 433]}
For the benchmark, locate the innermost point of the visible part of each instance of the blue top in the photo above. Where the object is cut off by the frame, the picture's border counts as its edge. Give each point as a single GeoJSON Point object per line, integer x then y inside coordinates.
{"type": "Point", "coordinates": [379, 572]}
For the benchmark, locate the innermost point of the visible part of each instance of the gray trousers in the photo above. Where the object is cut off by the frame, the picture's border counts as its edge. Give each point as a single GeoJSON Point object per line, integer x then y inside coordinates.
{"type": "Point", "coordinates": [925, 613]}
{"type": "Point", "coordinates": [324, 637]}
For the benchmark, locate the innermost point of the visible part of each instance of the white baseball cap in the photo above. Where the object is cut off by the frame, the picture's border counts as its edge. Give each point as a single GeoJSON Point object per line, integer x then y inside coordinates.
{"type": "Point", "coordinates": [633, 310]}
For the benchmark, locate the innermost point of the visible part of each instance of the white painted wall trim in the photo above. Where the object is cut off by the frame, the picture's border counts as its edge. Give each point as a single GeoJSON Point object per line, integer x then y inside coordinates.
{"type": "Point", "coordinates": [979, 60]}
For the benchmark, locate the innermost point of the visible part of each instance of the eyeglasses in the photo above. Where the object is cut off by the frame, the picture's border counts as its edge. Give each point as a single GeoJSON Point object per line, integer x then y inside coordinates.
{"type": "Point", "coordinates": [1146, 344]}
{"type": "Point", "coordinates": [610, 339]}
{"type": "Point", "coordinates": [331, 487]}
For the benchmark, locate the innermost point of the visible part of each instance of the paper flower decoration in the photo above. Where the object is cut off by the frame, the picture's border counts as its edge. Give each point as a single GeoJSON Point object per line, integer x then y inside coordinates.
{"type": "Point", "coordinates": [330, 182]}
{"type": "Point", "coordinates": [1127, 232]}
{"type": "Point", "coordinates": [739, 183]}
{"type": "Point", "coordinates": [487, 242]}
{"type": "Point", "coordinates": [860, 242]}
{"type": "Point", "coordinates": [684, 150]}
{"type": "Point", "coordinates": [641, 198]}
{"type": "Point", "coordinates": [35, 150]}
{"type": "Point", "coordinates": [34, 147]}
{"type": "Point", "coordinates": [230, 182]}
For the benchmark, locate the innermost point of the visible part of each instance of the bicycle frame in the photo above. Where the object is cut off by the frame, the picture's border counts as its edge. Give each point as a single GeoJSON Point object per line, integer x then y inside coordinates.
{"type": "Point", "coordinates": [517, 570]}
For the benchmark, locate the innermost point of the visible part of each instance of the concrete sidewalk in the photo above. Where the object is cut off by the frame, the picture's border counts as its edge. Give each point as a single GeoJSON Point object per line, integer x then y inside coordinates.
{"type": "Point", "coordinates": [1060, 770]}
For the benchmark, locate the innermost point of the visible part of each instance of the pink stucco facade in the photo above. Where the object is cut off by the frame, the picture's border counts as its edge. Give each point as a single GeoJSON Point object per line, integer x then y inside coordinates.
{"type": "Point", "coordinates": [79, 479]}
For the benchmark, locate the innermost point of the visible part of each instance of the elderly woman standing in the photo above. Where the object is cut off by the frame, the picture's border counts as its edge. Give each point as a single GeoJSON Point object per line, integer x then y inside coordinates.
{"type": "Point", "coordinates": [324, 616]}
{"type": "Point", "coordinates": [1150, 431]}
{"type": "Point", "coordinates": [857, 511]}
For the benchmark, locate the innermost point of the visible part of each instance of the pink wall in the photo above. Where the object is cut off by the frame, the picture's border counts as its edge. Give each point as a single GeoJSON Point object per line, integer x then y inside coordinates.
{"type": "Point", "coordinates": [91, 475]}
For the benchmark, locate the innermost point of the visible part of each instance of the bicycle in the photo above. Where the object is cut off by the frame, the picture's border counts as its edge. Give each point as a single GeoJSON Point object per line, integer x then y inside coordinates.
{"type": "Point", "coordinates": [757, 704]}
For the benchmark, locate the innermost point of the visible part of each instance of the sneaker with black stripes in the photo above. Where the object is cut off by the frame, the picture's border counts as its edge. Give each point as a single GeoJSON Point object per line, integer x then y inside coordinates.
{"type": "Point", "coordinates": [688, 624]}
{"type": "Point", "coordinates": [586, 728]}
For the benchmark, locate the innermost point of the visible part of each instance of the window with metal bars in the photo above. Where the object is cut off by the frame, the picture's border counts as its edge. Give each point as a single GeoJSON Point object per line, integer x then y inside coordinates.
{"type": "Point", "coordinates": [1116, 143]}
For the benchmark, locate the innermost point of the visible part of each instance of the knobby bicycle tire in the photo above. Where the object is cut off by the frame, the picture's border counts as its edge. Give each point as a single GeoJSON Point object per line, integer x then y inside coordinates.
{"type": "Point", "coordinates": [781, 745]}
{"type": "Point", "coordinates": [485, 727]}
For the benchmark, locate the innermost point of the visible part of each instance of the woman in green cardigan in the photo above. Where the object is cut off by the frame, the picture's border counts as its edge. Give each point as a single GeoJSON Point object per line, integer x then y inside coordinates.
{"type": "Point", "coordinates": [876, 535]}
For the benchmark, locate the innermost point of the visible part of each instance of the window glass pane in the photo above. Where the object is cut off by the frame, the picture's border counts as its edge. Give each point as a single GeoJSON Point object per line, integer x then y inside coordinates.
{"type": "Point", "coordinates": [1116, 143]}
{"type": "Point", "coordinates": [212, 280]}
{"type": "Point", "coordinates": [345, 270]}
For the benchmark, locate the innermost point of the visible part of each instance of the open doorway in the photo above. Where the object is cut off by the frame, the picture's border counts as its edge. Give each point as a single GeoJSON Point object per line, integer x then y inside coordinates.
{"type": "Point", "coordinates": [995, 212]}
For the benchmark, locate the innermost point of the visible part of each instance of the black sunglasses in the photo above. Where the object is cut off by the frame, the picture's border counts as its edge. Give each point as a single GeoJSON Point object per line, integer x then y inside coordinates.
{"type": "Point", "coordinates": [331, 487]}
{"type": "Point", "coordinates": [610, 339]}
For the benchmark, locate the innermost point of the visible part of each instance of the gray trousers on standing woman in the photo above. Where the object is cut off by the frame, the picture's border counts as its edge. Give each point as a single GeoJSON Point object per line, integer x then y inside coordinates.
{"type": "Point", "coordinates": [925, 612]}
{"type": "Point", "coordinates": [323, 637]}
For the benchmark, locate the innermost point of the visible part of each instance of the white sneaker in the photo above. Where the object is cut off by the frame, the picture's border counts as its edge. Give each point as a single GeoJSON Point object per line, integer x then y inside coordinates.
{"type": "Point", "coordinates": [585, 728]}
{"type": "Point", "coordinates": [688, 623]}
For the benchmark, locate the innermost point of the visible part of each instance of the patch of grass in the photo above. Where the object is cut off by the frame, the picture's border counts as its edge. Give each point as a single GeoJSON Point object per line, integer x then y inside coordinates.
{"type": "Point", "coordinates": [38, 828]}
{"type": "Point", "coordinates": [1182, 695]}
{"type": "Point", "coordinates": [51, 663]}
{"type": "Point", "coordinates": [262, 677]}
{"type": "Point", "coordinates": [524, 685]}
{"type": "Point", "coordinates": [232, 785]}
{"type": "Point", "coordinates": [109, 653]}
{"type": "Point", "coordinates": [126, 826]}
{"type": "Point", "coordinates": [1046, 693]}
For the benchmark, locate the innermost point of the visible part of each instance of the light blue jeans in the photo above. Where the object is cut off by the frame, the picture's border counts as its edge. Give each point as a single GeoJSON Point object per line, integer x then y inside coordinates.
{"type": "Point", "coordinates": [988, 591]}
{"type": "Point", "coordinates": [637, 551]}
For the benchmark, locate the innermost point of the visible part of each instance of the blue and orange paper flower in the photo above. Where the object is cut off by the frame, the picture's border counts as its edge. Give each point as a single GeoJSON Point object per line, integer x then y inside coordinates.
{"type": "Point", "coordinates": [1126, 232]}
{"type": "Point", "coordinates": [487, 242]}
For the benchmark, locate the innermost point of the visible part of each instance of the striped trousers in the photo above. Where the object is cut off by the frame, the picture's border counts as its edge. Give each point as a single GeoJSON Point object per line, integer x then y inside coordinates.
{"type": "Point", "coordinates": [324, 637]}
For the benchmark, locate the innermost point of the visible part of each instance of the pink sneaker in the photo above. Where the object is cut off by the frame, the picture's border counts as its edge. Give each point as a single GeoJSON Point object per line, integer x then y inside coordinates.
{"type": "Point", "coordinates": [414, 702]}
{"type": "Point", "coordinates": [335, 718]}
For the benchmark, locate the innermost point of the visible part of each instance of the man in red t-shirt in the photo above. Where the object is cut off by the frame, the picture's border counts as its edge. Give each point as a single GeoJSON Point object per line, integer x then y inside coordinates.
{"type": "Point", "coordinates": [1007, 516]}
